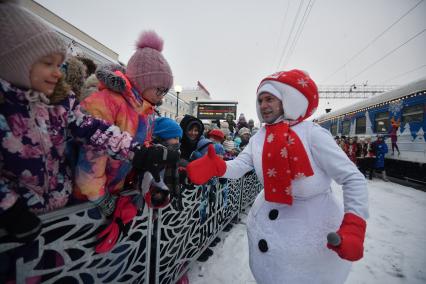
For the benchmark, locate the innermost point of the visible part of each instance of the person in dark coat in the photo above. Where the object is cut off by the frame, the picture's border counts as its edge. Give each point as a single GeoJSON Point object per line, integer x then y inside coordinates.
{"type": "Point", "coordinates": [231, 123]}
{"type": "Point", "coordinates": [368, 157]}
{"type": "Point", "coordinates": [381, 149]}
{"type": "Point", "coordinates": [193, 129]}
{"type": "Point", "coordinates": [242, 122]}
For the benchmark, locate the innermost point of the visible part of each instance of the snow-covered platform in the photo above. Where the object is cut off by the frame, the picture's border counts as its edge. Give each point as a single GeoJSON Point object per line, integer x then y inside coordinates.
{"type": "Point", "coordinates": [395, 245]}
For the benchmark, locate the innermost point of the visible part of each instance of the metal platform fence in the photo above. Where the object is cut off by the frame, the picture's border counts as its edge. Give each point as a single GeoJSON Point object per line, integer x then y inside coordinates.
{"type": "Point", "coordinates": [159, 247]}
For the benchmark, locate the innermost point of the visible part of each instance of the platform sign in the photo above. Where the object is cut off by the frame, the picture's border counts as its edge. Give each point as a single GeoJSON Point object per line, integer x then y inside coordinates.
{"type": "Point", "coordinates": [216, 111]}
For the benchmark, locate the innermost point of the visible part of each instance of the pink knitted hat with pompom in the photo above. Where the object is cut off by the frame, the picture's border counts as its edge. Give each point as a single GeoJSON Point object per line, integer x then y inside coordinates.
{"type": "Point", "coordinates": [147, 68]}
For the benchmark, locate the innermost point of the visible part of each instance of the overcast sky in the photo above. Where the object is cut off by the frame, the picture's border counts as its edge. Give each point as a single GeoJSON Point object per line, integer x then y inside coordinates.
{"type": "Point", "coordinates": [230, 45]}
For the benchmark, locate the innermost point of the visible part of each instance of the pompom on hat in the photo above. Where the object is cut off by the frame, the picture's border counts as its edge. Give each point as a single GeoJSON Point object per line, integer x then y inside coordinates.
{"type": "Point", "coordinates": [297, 91]}
{"type": "Point", "coordinates": [24, 40]}
{"type": "Point", "coordinates": [147, 68]}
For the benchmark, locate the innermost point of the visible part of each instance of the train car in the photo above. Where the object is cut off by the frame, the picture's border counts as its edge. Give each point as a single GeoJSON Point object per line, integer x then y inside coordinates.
{"type": "Point", "coordinates": [397, 115]}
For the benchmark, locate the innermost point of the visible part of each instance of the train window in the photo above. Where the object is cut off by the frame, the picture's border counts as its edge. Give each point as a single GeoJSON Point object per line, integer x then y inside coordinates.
{"type": "Point", "coordinates": [381, 122]}
{"type": "Point", "coordinates": [333, 129]}
{"type": "Point", "coordinates": [413, 113]}
{"type": "Point", "coordinates": [346, 125]}
{"type": "Point", "coordinates": [360, 125]}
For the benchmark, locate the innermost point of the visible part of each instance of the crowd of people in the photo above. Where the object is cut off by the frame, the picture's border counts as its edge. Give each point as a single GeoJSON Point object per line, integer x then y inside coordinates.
{"type": "Point", "coordinates": [74, 132]}
{"type": "Point", "coordinates": [71, 133]}
{"type": "Point", "coordinates": [369, 156]}
{"type": "Point", "coordinates": [229, 138]}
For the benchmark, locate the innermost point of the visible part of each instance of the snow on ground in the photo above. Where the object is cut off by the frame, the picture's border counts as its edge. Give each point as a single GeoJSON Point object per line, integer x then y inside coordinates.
{"type": "Point", "coordinates": [395, 245]}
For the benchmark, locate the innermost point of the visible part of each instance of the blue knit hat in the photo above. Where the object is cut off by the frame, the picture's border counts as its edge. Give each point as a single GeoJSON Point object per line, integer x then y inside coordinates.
{"type": "Point", "coordinates": [166, 128]}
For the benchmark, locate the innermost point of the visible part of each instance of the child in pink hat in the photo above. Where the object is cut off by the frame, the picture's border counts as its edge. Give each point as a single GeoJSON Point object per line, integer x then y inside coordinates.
{"type": "Point", "coordinates": [126, 97]}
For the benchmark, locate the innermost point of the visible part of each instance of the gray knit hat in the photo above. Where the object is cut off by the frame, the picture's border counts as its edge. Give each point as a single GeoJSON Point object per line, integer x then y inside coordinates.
{"type": "Point", "coordinates": [24, 40]}
{"type": "Point", "coordinates": [229, 145]}
{"type": "Point", "coordinates": [243, 131]}
{"type": "Point", "coordinates": [147, 68]}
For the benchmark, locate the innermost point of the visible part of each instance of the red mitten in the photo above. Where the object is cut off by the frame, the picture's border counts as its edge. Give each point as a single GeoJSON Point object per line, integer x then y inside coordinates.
{"type": "Point", "coordinates": [202, 170]}
{"type": "Point", "coordinates": [352, 234]}
{"type": "Point", "coordinates": [124, 212]}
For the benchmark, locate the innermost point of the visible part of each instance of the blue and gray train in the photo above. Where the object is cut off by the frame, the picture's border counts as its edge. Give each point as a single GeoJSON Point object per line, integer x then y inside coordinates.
{"type": "Point", "coordinates": [399, 115]}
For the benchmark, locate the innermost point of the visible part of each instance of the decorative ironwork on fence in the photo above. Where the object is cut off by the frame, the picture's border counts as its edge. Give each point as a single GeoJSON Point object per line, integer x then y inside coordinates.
{"type": "Point", "coordinates": [64, 251]}
{"type": "Point", "coordinates": [164, 241]}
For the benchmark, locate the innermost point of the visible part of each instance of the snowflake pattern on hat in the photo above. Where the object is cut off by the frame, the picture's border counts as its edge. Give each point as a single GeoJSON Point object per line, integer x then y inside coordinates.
{"type": "Point", "coordinates": [284, 152]}
{"type": "Point", "coordinates": [302, 82]}
{"type": "Point", "coordinates": [276, 75]}
{"type": "Point", "coordinates": [304, 86]}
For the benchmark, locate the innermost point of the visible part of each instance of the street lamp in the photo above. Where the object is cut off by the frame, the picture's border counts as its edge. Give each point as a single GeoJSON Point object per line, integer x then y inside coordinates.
{"type": "Point", "coordinates": [178, 89]}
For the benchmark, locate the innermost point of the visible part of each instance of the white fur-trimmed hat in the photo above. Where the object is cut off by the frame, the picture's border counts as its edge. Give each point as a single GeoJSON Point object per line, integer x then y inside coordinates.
{"type": "Point", "coordinates": [297, 91]}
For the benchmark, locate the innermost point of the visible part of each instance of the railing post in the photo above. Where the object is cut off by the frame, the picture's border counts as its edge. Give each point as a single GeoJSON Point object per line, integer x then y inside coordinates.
{"type": "Point", "coordinates": [149, 244]}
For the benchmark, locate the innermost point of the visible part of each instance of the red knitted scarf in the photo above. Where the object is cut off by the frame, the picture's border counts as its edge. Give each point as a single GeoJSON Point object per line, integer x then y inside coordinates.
{"type": "Point", "coordinates": [284, 159]}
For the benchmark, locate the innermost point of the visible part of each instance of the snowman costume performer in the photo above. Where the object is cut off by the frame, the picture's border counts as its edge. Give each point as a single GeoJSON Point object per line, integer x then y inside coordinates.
{"type": "Point", "coordinates": [295, 160]}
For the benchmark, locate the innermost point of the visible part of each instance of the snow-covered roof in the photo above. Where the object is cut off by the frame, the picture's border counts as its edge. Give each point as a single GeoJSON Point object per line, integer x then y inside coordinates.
{"type": "Point", "coordinates": [416, 86]}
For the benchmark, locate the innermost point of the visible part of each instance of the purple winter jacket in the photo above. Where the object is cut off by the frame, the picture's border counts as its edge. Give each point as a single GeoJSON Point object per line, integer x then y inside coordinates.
{"type": "Point", "coordinates": [33, 140]}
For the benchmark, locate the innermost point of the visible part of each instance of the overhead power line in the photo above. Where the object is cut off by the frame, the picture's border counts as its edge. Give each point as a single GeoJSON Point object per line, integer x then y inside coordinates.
{"type": "Point", "coordinates": [403, 74]}
{"type": "Point", "coordinates": [373, 41]}
{"type": "Point", "coordinates": [299, 31]}
{"type": "Point", "coordinates": [386, 55]}
{"type": "Point", "coordinates": [283, 25]}
{"type": "Point", "coordinates": [289, 36]}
